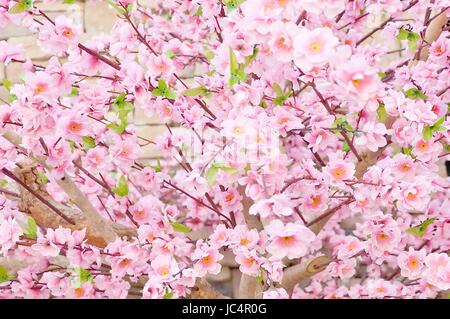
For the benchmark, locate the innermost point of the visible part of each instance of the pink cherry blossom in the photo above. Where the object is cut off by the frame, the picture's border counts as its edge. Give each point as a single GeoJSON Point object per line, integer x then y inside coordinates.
{"type": "Point", "coordinates": [289, 240]}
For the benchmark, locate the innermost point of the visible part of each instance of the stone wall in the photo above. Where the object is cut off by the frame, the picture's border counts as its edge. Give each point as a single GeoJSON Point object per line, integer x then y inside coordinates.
{"type": "Point", "coordinates": [95, 17]}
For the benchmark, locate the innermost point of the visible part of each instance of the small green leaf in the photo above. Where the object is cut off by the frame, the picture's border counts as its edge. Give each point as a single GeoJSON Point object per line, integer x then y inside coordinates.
{"type": "Point", "coordinates": [414, 94]}
{"type": "Point", "coordinates": [73, 92]}
{"type": "Point", "coordinates": [382, 75]}
{"type": "Point", "coordinates": [209, 54]}
{"type": "Point", "coordinates": [198, 91]}
{"type": "Point", "coordinates": [410, 36]}
{"type": "Point", "coordinates": [43, 177]}
{"type": "Point", "coordinates": [420, 229]}
{"type": "Point", "coordinates": [7, 84]}
{"type": "Point", "coordinates": [118, 128]}
{"type": "Point", "coordinates": [427, 133]}
{"type": "Point", "coordinates": [164, 90]}
{"type": "Point", "coordinates": [21, 6]}
{"type": "Point", "coordinates": [199, 11]}
{"type": "Point", "coordinates": [232, 4]}
{"type": "Point", "coordinates": [171, 95]}
{"type": "Point", "coordinates": [229, 170]}
{"type": "Point", "coordinates": [277, 88]}
{"type": "Point", "coordinates": [407, 151]}
{"type": "Point", "coordinates": [88, 143]}
{"type": "Point", "coordinates": [181, 228]}
{"type": "Point", "coordinates": [4, 276]}
{"type": "Point", "coordinates": [85, 276]}
{"type": "Point", "coordinates": [381, 113]}
{"type": "Point", "coordinates": [31, 228]}
{"type": "Point", "coordinates": [169, 294]}
{"type": "Point", "coordinates": [120, 10]}
{"type": "Point", "coordinates": [3, 182]}
{"type": "Point", "coordinates": [211, 175]}
{"type": "Point", "coordinates": [69, 1]}
{"type": "Point", "coordinates": [345, 147]}
{"type": "Point", "coordinates": [170, 54]}
{"type": "Point", "coordinates": [121, 188]}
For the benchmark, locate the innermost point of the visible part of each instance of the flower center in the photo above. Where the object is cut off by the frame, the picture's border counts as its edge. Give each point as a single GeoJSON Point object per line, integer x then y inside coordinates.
{"type": "Point", "coordinates": [79, 292]}
{"type": "Point", "coordinates": [315, 47]}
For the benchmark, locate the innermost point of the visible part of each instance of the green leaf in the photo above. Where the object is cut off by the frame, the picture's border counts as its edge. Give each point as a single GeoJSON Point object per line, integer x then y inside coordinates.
{"type": "Point", "coordinates": [157, 168]}
{"type": "Point", "coordinates": [30, 230]}
{"type": "Point", "coordinates": [341, 123]}
{"type": "Point", "coordinates": [121, 188]}
{"type": "Point", "coordinates": [199, 11]}
{"type": "Point", "coordinates": [420, 229]}
{"type": "Point", "coordinates": [237, 73]}
{"type": "Point", "coordinates": [181, 228]}
{"type": "Point", "coordinates": [73, 92]}
{"type": "Point", "coordinates": [164, 90]}
{"type": "Point", "coordinates": [169, 294]}
{"type": "Point", "coordinates": [21, 6]}
{"type": "Point", "coordinates": [381, 113]}
{"type": "Point", "coordinates": [232, 4]}
{"type": "Point", "coordinates": [43, 177]}
{"type": "Point", "coordinates": [382, 75]}
{"type": "Point", "coordinates": [7, 84]}
{"type": "Point", "coordinates": [402, 34]}
{"type": "Point", "coordinates": [410, 36]}
{"type": "Point", "coordinates": [198, 91]}
{"type": "Point", "coordinates": [170, 54]}
{"type": "Point", "coordinates": [414, 94]}
{"type": "Point", "coordinates": [112, 3]}
{"type": "Point", "coordinates": [407, 151]}
{"type": "Point", "coordinates": [3, 182]}
{"type": "Point", "coordinates": [4, 276]}
{"type": "Point", "coordinates": [171, 95]}
{"type": "Point", "coordinates": [12, 98]}
{"type": "Point", "coordinates": [250, 58]}
{"type": "Point", "coordinates": [209, 54]}
{"type": "Point", "coordinates": [211, 175]}
{"type": "Point", "coordinates": [229, 170]}
{"type": "Point", "coordinates": [69, 1]}
{"type": "Point", "coordinates": [119, 128]}
{"type": "Point", "coordinates": [436, 127]}
{"type": "Point", "coordinates": [85, 276]}
{"type": "Point", "coordinates": [345, 147]}
{"type": "Point", "coordinates": [277, 88]}
{"type": "Point", "coordinates": [88, 143]}
{"type": "Point", "coordinates": [427, 133]}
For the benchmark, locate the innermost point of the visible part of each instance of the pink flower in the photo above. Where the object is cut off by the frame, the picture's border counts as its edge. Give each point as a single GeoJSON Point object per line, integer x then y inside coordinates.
{"type": "Point", "coordinates": [10, 52]}
{"type": "Point", "coordinates": [164, 267]}
{"type": "Point", "coordinates": [10, 233]}
{"type": "Point", "coordinates": [277, 205]}
{"type": "Point", "coordinates": [315, 200]}
{"type": "Point", "coordinates": [124, 152]}
{"type": "Point", "coordinates": [249, 263]}
{"type": "Point", "coordinates": [349, 247]}
{"type": "Point", "coordinates": [373, 136]}
{"type": "Point", "coordinates": [61, 36]}
{"type": "Point", "coordinates": [281, 41]}
{"type": "Point", "coordinates": [96, 159]}
{"type": "Point", "coordinates": [207, 260]}
{"type": "Point", "coordinates": [411, 263]}
{"type": "Point", "coordinates": [313, 47]}
{"type": "Point", "coordinates": [357, 79]}
{"type": "Point", "coordinates": [437, 270]}
{"type": "Point", "coordinates": [290, 240]}
{"type": "Point", "coordinates": [339, 171]}
{"type": "Point", "coordinates": [380, 288]}
{"type": "Point", "coordinates": [275, 293]}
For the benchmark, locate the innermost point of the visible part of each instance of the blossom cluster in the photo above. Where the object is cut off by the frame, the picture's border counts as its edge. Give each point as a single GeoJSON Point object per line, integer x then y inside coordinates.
{"type": "Point", "coordinates": [306, 137]}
